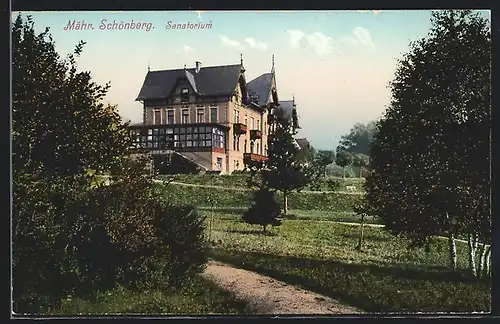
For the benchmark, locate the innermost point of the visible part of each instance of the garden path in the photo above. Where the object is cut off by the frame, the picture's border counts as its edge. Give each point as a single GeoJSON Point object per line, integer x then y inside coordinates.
{"type": "Point", "coordinates": [266, 295]}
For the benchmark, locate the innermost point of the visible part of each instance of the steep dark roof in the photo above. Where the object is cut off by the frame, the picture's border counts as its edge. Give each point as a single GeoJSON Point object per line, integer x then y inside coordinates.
{"type": "Point", "coordinates": [286, 107]}
{"type": "Point", "coordinates": [210, 80]}
{"type": "Point", "coordinates": [303, 143]}
{"type": "Point", "coordinates": [259, 88]}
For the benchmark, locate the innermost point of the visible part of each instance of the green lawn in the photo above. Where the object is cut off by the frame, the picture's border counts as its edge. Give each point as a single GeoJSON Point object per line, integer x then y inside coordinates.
{"type": "Point", "coordinates": [321, 256]}
{"type": "Point", "coordinates": [201, 297]}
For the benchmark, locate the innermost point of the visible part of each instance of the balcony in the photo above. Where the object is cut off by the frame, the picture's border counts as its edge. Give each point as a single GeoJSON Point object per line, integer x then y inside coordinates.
{"type": "Point", "coordinates": [240, 128]}
{"type": "Point", "coordinates": [255, 134]}
{"type": "Point", "coordinates": [252, 157]}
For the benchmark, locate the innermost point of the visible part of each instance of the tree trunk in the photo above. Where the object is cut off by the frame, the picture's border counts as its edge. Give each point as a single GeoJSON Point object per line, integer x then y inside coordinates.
{"type": "Point", "coordinates": [264, 229]}
{"type": "Point", "coordinates": [453, 250]}
{"type": "Point", "coordinates": [487, 262]}
{"type": "Point", "coordinates": [360, 243]}
{"type": "Point", "coordinates": [472, 244]}
{"type": "Point", "coordinates": [482, 258]}
{"type": "Point", "coordinates": [452, 246]}
{"type": "Point", "coordinates": [285, 202]}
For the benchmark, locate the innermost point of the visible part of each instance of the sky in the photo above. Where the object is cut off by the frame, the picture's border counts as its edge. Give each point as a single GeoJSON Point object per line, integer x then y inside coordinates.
{"type": "Point", "coordinates": [337, 64]}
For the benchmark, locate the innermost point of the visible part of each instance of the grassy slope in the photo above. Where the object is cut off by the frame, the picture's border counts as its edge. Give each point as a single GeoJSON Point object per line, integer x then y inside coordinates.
{"type": "Point", "coordinates": [201, 297]}
{"type": "Point", "coordinates": [296, 214]}
{"type": "Point", "coordinates": [321, 256]}
{"type": "Point", "coordinates": [222, 197]}
{"type": "Point", "coordinates": [240, 181]}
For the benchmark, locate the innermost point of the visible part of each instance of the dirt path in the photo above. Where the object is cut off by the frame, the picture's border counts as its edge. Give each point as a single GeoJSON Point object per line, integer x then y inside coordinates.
{"type": "Point", "coordinates": [269, 296]}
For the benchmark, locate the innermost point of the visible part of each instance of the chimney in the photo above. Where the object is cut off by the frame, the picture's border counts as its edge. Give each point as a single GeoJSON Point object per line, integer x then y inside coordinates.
{"type": "Point", "coordinates": [198, 66]}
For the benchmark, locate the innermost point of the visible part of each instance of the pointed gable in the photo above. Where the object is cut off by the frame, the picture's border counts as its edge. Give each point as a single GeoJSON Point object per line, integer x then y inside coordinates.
{"type": "Point", "coordinates": [259, 89]}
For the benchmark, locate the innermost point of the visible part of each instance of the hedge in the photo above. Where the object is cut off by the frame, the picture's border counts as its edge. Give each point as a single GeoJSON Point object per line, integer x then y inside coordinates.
{"type": "Point", "coordinates": [239, 180]}
{"type": "Point", "coordinates": [206, 197]}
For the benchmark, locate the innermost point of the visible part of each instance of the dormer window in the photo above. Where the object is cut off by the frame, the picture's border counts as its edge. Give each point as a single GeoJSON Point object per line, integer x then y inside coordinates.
{"type": "Point", "coordinates": [185, 95]}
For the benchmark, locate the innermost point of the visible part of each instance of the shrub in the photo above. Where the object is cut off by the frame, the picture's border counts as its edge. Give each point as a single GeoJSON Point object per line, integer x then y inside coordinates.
{"type": "Point", "coordinates": [73, 238]}
{"type": "Point", "coordinates": [264, 211]}
{"type": "Point", "coordinates": [181, 231]}
{"type": "Point", "coordinates": [333, 184]}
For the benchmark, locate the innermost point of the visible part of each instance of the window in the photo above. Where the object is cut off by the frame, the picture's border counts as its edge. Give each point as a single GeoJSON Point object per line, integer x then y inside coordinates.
{"type": "Point", "coordinates": [251, 123]}
{"type": "Point", "coordinates": [234, 143]}
{"type": "Point", "coordinates": [185, 95]}
{"type": "Point", "coordinates": [185, 116]}
{"type": "Point", "coordinates": [246, 120]}
{"type": "Point", "coordinates": [236, 116]}
{"type": "Point", "coordinates": [157, 117]}
{"type": "Point", "coordinates": [265, 150]}
{"type": "Point", "coordinates": [213, 114]}
{"type": "Point", "coordinates": [251, 147]}
{"type": "Point", "coordinates": [245, 151]}
{"type": "Point", "coordinates": [258, 124]}
{"type": "Point", "coordinates": [200, 115]}
{"type": "Point", "coordinates": [264, 128]}
{"type": "Point", "coordinates": [219, 163]}
{"type": "Point", "coordinates": [258, 148]}
{"type": "Point", "coordinates": [170, 116]}
{"type": "Point", "coordinates": [237, 143]}
{"type": "Point", "coordinates": [218, 139]}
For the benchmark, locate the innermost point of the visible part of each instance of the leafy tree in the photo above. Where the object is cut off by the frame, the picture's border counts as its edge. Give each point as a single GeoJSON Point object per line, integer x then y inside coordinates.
{"type": "Point", "coordinates": [324, 158]}
{"type": "Point", "coordinates": [360, 161]}
{"type": "Point", "coordinates": [344, 159]}
{"type": "Point", "coordinates": [59, 124]}
{"type": "Point", "coordinates": [354, 148]}
{"type": "Point", "coordinates": [264, 211]}
{"type": "Point", "coordinates": [430, 157]}
{"type": "Point", "coordinates": [359, 138]}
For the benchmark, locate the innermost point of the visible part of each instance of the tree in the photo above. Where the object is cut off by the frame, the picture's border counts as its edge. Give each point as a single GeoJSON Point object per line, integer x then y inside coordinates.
{"type": "Point", "coordinates": [264, 211]}
{"type": "Point", "coordinates": [324, 158]}
{"type": "Point", "coordinates": [59, 124]}
{"type": "Point", "coordinates": [354, 148]}
{"type": "Point", "coordinates": [360, 161]}
{"type": "Point", "coordinates": [359, 138]}
{"type": "Point", "coordinates": [361, 209]}
{"type": "Point", "coordinates": [430, 155]}
{"type": "Point", "coordinates": [344, 159]}
{"type": "Point", "coordinates": [286, 169]}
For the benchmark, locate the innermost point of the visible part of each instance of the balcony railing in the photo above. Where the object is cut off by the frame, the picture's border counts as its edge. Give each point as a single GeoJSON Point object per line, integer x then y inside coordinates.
{"type": "Point", "coordinates": [255, 134]}
{"type": "Point", "coordinates": [239, 128]}
{"type": "Point", "coordinates": [252, 157]}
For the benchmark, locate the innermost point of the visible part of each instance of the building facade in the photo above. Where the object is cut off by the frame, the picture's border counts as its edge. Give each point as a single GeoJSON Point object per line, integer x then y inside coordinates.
{"type": "Point", "coordinates": [210, 116]}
